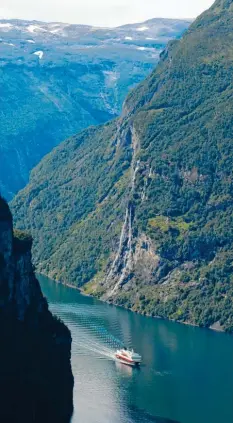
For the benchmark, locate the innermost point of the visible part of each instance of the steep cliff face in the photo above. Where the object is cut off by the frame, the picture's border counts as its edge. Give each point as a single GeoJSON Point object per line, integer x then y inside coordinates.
{"type": "Point", "coordinates": [142, 207]}
{"type": "Point", "coordinates": [36, 381]}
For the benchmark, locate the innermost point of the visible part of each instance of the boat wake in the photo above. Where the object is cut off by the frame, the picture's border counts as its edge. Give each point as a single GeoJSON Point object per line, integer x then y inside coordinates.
{"type": "Point", "coordinates": [96, 349]}
{"type": "Point", "coordinates": [89, 336]}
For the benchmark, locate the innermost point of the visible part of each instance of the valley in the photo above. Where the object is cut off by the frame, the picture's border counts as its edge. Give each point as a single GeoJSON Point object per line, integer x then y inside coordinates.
{"type": "Point", "coordinates": [141, 207]}
{"type": "Point", "coordinates": [116, 213]}
{"type": "Point", "coordinates": [57, 79]}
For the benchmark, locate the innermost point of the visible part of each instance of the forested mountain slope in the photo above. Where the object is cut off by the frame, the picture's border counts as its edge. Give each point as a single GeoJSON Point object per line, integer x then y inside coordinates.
{"type": "Point", "coordinates": [139, 211]}
{"type": "Point", "coordinates": [56, 79]}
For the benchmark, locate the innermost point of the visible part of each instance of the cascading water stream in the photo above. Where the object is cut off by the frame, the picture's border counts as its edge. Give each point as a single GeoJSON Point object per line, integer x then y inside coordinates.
{"type": "Point", "coordinates": [123, 261]}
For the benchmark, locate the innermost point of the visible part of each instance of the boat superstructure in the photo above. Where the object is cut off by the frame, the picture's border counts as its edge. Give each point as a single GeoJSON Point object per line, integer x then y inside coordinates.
{"type": "Point", "coordinates": [129, 357]}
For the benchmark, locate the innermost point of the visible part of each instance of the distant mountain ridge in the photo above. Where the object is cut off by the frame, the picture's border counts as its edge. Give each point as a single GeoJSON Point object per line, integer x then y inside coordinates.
{"type": "Point", "coordinates": [56, 79]}
{"type": "Point", "coordinates": [139, 211]}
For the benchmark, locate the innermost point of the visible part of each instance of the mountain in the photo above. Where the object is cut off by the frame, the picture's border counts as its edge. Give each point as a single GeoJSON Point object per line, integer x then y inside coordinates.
{"type": "Point", "coordinates": [56, 79]}
{"type": "Point", "coordinates": [139, 211]}
{"type": "Point", "coordinates": [36, 381]}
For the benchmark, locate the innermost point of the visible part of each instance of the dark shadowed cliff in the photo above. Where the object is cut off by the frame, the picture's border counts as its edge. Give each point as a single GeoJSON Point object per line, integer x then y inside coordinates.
{"type": "Point", "coordinates": [139, 211]}
{"type": "Point", "coordinates": [36, 381]}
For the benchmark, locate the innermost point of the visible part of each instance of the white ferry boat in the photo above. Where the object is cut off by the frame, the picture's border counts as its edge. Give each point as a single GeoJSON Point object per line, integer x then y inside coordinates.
{"type": "Point", "coordinates": [126, 356]}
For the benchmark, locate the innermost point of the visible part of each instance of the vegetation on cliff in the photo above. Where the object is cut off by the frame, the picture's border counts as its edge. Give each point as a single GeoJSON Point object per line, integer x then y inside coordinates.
{"type": "Point", "coordinates": [140, 209]}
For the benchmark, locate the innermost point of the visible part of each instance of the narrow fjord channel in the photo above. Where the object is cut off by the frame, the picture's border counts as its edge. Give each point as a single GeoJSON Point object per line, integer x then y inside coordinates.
{"type": "Point", "coordinates": [186, 376]}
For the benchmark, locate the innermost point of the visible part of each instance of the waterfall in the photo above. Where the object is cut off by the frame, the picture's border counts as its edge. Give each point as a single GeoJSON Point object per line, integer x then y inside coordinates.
{"type": "Point", "coordinates": [115, 266]}
{"type": "Point", "coordinates": [126, 256]}
{"type": "Point", "coordinates": [123, 262]}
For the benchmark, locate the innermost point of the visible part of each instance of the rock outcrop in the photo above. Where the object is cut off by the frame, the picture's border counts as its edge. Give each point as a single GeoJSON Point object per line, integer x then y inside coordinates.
{"type": "Point", "coordinates": [36, 381]}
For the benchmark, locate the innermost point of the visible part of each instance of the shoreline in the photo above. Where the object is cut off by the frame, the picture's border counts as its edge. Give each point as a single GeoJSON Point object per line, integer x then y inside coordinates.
{"type": "Point", "coordinates": [82, 292]}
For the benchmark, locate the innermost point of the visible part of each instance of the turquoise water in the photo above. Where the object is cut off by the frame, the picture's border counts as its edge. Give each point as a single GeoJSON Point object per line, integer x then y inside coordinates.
{"type": "Point", "coordinates": [187, 372]}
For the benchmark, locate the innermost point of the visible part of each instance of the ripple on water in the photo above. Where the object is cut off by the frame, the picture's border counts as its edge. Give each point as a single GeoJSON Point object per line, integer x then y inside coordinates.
{"type": "Point", "coordinates": [92, 336]}
{"type": "Point", "coordinates": [182, 366]}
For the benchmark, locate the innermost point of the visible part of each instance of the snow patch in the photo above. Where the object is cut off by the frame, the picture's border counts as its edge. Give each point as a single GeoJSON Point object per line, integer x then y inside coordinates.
{"type": "Point", "coordinates": [142, 28]}
{"type": "Point", "coordinates": [147, 49]}
{"type": "Point", "coordinates": [55, 31]}
{"type": "Point", "coordinates": [129, 38]}
{"type": "Point", "coordinates": [30, 41]}
{"type": "Point", "coordinates": [5, 25]}
{"type": "Point", "coordinates": [39, 53]}
{"type": "Point", "coordinates": [9, 44]}
{"type": "Point", "coordinates": [35, 28]}
{"type": "Point", "coordinates": [149, 38]}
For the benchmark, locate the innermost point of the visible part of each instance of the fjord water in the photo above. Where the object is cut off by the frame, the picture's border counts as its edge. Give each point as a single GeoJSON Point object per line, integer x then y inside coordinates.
{"type": "Point", "coordinates": [186, 376]}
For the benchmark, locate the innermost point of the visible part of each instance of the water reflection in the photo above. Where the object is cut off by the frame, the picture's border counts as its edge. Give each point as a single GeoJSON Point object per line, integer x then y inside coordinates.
{"type": "Point", "coordinates": [125, 370]}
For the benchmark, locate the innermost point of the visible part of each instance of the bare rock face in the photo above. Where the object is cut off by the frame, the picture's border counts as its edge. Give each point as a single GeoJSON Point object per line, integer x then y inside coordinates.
{"type": "Point", "coordinates": [26, 287]}
{"type": "Point", "coordinates": [6, 265]}
{"type": "Point", "coordinates": [36, 381]}
{"type": "Point", "coordinates": [20, 289]}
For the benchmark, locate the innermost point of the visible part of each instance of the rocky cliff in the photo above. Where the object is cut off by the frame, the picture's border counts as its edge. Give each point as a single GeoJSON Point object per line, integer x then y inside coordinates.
{"type": "Point", "coordinates": [36, 381]}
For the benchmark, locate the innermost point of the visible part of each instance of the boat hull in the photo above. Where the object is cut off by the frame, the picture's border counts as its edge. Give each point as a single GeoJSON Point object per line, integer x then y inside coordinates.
{"type": "Point", "coordinates": [127, 361]}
